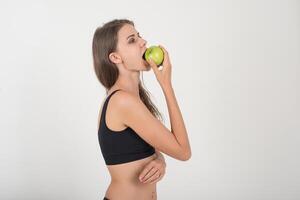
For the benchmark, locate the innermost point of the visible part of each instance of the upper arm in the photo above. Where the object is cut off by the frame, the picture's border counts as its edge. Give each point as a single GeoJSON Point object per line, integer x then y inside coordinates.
{"type": "Point", "coordinates": [136, 115]}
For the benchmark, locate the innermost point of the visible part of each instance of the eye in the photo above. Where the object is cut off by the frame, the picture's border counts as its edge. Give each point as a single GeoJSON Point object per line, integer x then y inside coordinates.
{"type": "Point", "coordinates": [131, 40]}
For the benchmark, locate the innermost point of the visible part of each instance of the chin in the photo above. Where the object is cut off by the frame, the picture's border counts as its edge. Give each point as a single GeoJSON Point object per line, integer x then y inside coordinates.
{"type": "Point", "coordinates": [146, 67]}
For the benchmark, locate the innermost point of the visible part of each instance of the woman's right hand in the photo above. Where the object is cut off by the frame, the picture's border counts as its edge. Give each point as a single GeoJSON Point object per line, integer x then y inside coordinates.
{"type": "Point", "coordinates": [163, 76]}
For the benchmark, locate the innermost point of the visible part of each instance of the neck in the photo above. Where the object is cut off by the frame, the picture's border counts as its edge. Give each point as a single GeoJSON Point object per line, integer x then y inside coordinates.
{"type": "Point", "coordinates": [128, 82]}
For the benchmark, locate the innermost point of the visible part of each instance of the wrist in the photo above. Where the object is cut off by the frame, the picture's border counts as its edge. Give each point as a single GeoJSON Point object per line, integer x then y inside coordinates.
{"type": "Point", "coordinates": [159, 156]}
{"type": "Point", "coordinates": [167, 87]}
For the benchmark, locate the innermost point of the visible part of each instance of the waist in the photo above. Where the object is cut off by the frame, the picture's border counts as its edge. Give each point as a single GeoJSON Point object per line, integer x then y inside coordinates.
{"type": "Point", "coordinates": [128, 173]}
{"type": "Point", "coordinates": [131, 190]}
{"type": "Point", "coordinates": [131, 184]}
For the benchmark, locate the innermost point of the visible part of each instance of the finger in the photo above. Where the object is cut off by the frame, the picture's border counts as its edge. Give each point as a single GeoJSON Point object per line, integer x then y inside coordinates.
{"type": "Point", "coordinates": [153, 66]}
{"type": "Point", "coordinates": [166, 54]}
{"type": "Point", "coordinates": [148, 175]}
{"type": "Point", "coordinates": [153, 177]}
{"type": "Point", "coordinates": [145, 172]}
{"type": "Point", "coordinates": [152, 63]}
{"type": "Point", "coordinates": [155, 181]}
{"type": "Point", "coordinates": [163, 48]}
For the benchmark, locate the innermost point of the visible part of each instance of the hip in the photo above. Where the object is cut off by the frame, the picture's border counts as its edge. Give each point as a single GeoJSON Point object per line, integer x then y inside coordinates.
{"type": "Point", "coordinates": [131, 191]}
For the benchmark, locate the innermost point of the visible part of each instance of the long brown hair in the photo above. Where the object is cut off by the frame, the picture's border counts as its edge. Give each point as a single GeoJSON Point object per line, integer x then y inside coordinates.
{"type": "Point", "coordinates": [104, 42]}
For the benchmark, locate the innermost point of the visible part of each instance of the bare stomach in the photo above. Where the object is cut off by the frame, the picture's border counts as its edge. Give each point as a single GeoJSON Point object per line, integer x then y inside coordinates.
{"type": "Point", "coordinates": [125, 183]}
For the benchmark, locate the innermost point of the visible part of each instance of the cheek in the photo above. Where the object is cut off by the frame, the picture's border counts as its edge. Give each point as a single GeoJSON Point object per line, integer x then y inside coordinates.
{"type": "Point", "coordinates": [132, 60]}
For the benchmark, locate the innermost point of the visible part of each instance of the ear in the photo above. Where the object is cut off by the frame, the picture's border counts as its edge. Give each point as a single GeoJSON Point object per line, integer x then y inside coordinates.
{"type": "Point", "coordinates": [115, 58]}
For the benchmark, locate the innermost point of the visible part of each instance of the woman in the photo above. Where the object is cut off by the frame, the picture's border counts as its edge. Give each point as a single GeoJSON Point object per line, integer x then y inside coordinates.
{"type": "Point", "coordinates": [130, 133]}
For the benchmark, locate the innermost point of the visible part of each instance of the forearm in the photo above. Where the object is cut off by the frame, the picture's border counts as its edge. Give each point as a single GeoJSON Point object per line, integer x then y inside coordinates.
{"type": "Point", "coordinates": [176, 120]}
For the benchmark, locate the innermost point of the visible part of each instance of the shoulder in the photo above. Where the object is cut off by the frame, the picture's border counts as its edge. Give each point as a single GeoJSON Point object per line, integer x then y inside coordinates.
{"type": "Point", "coordinates": [129, 107]}
{"type": "Point", "coordinates": [122, 100]}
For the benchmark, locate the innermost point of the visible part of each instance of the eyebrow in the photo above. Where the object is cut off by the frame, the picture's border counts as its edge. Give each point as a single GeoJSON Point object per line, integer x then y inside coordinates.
{"type": "Point", "coordinates": [132, 35]}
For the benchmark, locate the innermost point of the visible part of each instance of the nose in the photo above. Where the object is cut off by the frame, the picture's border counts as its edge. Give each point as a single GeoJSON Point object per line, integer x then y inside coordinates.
{"type": "Point", "coordinates": [144, 42]}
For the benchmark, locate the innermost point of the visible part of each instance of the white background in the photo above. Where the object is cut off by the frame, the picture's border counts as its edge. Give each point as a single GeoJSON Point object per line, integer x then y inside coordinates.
{"type": "Point", "coordinates": [235, 76]}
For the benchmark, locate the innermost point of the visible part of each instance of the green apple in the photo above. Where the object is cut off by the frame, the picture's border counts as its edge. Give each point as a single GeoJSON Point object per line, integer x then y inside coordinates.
{"type": "Point", "coordinates": [155, 53]}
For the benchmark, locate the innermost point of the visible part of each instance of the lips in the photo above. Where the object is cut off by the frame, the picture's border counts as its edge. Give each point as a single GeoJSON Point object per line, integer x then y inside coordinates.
{"type": "Point", "coordinates": [145, 62]}
{"type": "Point", "coordinates": [143, 56]}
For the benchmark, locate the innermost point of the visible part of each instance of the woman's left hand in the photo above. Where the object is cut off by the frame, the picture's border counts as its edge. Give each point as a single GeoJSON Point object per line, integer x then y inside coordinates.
{"type": "Point", "coordinates": [153, 171]}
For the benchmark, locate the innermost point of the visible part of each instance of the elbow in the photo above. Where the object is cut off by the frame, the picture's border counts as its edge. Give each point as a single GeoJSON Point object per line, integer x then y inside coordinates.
{"type": "Point", "coordinates": [187, 156]}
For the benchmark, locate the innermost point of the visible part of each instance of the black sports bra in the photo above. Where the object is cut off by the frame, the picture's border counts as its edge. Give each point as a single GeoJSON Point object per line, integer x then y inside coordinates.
{"type": "Point", "coordinates": [121, 146]}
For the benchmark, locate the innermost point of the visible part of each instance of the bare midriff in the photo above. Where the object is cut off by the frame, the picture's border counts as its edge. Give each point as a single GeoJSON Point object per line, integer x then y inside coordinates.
{"type": "Point", "coordinates": [125, 183]}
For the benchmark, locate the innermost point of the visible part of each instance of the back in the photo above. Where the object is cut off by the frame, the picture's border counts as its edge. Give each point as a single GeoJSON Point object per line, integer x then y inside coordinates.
{"type": "Point", "coordinates": [120, 146]}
